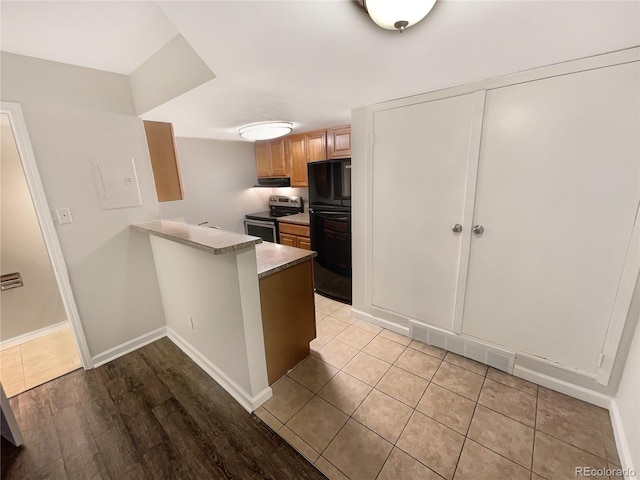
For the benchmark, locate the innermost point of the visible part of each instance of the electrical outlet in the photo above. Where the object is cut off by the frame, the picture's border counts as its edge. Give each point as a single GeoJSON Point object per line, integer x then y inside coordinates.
{"type": "Point", "coordinates": [64, 216]}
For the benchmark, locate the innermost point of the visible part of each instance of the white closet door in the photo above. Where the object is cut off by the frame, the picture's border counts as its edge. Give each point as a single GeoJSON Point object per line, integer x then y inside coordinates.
{"type": "Point", "coordinates": [420, 161]}
{"type": "Point", "coordinates": [557, 193]}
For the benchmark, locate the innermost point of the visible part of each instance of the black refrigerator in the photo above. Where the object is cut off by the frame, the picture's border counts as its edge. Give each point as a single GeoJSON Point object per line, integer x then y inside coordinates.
{"type": "Point", "coordinates": [330, 225]}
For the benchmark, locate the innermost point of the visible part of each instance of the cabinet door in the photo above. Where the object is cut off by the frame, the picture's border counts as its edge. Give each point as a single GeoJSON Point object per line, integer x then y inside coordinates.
{"type": "Point", "coordinates": [304, 243]}
{"type": "Point", "coordinates": [339, 142]}
{"type": "Point", "coordinates": [278, 160]}
{"type": "Point", "coordinates": [557, 194]}
{"type": "Point", "coordinates": [287, 239]}
{"type": "Point", "coordinates": [164, 160]}
{"type": "Point", "coordinates": [296, 147]}
{"type": "Point", "coordinates": [316, 146]}
{"type": "Point", "coordinates": [263, 159]}
{"type": "Point", "coordinates": [420, 165]}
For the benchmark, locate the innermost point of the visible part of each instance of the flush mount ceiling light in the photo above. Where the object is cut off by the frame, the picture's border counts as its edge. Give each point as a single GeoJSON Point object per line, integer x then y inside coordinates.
{"type": "Point", "coordinates": [265, 131]}
{"type": "Point", "coordinates": [397, 14]}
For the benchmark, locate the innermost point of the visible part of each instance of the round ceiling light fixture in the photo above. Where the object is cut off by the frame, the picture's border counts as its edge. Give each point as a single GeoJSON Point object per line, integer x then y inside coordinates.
{"type": "Point", "coordinates": [398, 14]}
{"type": "Point", "coordinates": [265, 131]}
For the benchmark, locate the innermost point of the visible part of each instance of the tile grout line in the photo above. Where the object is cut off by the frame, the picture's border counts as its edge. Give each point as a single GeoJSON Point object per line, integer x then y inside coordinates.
{"type": "Point", "coordinates": [466, 436]}
{"type": "Point", "coordinates": [24, 375]}
{"type": "Point", "coordinates": [414, 409]}
{"type": "Point", "coordinates": [571, 445]}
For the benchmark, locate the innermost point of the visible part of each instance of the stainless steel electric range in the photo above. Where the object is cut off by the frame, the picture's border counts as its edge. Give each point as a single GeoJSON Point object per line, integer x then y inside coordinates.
{"type": "Point", "coordinates": [265, 224]}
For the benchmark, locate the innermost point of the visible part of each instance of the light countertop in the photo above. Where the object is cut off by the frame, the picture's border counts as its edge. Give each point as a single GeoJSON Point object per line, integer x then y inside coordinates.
{"type": "Point", "coordinates": [273, 257]}
{"type": "Point", "coordinates": [298, 219]}
{"type": "Point", "coordinates": [210, 240]}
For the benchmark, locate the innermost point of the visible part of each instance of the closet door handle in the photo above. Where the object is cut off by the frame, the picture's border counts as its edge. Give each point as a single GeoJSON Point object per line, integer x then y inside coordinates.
{"type": "Point", "coordinates": [478, 229]}
{"type": "Point", "coordinates": [457, 228]}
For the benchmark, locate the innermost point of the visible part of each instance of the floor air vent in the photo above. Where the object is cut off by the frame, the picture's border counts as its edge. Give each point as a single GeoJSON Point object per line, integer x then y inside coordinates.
{"type": "Point", "coordinates": [467, 347]}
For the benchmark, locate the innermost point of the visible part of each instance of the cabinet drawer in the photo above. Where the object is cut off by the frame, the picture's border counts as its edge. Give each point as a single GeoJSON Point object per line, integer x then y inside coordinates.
{"type": "Point", "coordinates": [300, 230]}
{"type": "Point", "coordinates": [288, 240]}
{"type": "Point", "coordinates": [304, 243]}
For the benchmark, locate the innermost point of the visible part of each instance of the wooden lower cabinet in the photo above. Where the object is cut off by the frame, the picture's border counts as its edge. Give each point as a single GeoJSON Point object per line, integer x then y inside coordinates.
{"type": "Point", "coordinates": [294, 235]}
{"type": "Point", "coordinates": [288, 317]}
{"type": "Point", "coordinates": [288, 240]}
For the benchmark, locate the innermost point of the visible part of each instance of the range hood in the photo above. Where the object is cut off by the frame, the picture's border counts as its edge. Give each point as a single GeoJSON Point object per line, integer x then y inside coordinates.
{"type": "Point", "coordinates": [273, 182]}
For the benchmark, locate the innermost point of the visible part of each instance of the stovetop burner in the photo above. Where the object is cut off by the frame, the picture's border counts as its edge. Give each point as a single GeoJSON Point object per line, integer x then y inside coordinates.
{"type": "Point", "coordinates": [279, 206]}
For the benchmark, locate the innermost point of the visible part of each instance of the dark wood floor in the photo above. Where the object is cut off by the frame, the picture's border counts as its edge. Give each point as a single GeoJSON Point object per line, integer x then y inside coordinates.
{"type": "Point", "coordinates": [150, 414]}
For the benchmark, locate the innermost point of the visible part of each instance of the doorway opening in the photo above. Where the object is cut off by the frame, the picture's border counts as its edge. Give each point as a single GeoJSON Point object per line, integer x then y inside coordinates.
{"type": "Point", "coordinates": [41, 337]}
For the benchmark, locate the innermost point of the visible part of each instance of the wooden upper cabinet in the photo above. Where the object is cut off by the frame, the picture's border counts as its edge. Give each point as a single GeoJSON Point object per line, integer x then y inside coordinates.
{"type": "Point", "coordinates": [164, 160]}
{"type": "Point", "coordinates": [278, 158]}
{"type": "Point", "coordinates": [297, 153]}
{"type": "Point", "coordinates": [302, 149]}
{"type": "Point", "coordinates": [271, 160]}
{"type": "Point", "coordinates": [316, 146]}
{"type": "Point", "coordinates": [263, 159]}
{"type": "Point", "coordinates": [288, 156]}
{"type": "Point", "coordinates": [339, 142]}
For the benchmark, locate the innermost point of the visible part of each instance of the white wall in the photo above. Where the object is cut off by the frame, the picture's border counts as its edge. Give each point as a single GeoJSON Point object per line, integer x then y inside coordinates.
{"type": "Point", "coordinates": [217, 178]}
{"type": "Point", "coordinates": [626, 404]}
{"type": "Point", "coordinates": [173, 70]}
{"type": "Point", "coordinates": [37, 304]}
{"type": "Point", "coordinates": [212, 305]}
{"type": "Point", "coordinates": [75, 116]}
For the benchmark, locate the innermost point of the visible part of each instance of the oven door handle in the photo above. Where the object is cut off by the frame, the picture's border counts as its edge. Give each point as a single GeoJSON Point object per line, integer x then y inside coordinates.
{"type": "Point", "coordinates": [261, 223]}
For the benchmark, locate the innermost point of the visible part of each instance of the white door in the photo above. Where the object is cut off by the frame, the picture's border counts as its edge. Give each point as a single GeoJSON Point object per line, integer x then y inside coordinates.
{"type": "Point", "coordinates": [420, 166]}
{"type": "Point", "coordinates": [557, 194]}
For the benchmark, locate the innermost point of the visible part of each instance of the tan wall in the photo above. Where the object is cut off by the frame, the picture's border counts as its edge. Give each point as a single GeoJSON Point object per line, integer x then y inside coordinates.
{"type": "Point", "coordinates": [37, 304]}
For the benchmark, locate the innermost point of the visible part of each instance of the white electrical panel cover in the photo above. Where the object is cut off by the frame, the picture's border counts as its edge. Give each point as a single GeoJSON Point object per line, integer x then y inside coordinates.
{"type": "Point", "coordinates": [117, 184]}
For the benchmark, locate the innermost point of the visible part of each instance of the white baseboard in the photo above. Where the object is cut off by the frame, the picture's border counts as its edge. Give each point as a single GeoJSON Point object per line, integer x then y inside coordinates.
{"type": "Point", "coordinates": [236, 391]}
{"type": "Point", "coordinates": [571, 389]}
{"type": "Point", "coordinates": [129, 346]}
{"type": "Point", "coordinates": [621, 439]}
{"type": "Point", "coordinates": [381, 322]}
{"type": "Point", "coordinates": [27, 337]}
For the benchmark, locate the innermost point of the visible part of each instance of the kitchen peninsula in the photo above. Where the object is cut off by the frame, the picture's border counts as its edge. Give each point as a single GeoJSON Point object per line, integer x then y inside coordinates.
{"type": "Point", "coordinates": [242, 309]}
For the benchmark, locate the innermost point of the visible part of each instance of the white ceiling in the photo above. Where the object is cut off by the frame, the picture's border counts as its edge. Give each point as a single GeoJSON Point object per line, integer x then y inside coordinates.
{"type": "Point", "coordinates": [311, 62]}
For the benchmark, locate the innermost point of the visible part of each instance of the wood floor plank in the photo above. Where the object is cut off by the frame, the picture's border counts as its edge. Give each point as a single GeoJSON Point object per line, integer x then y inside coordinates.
{"type": "Point", "coordinates": [134, 408]}
{"type": "Point", "coordinates": [87, 468]}
{"type": "Point", "coordinates": [193, 444]}
{"type": "Point", "coordinates": [150, 414]}
{"type": "Point", "coordinates": [150, 385]}
{"type": "Point", "coordinates": [41, 446]}
{"type": "Point", "coordinates": [163, 461]}
{"type": "Point", "coordinates": [15, 462]}
{"type": "Point", "coordinates": [53, 471]}
{"type": "Point", "coordinates": [120, 455]}
{"type": "Point", "coordinates": [64, 392]}
{"type": "Point", "coordinates": [74, 435]}
{"type": "Point", "coordinates": [97, 406]}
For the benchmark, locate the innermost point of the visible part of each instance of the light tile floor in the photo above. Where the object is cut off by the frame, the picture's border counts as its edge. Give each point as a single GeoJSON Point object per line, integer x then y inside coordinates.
{"type": "Point", "coordinates": [37, 361]}
{"type": "Point", "coordinates": [369, 403]}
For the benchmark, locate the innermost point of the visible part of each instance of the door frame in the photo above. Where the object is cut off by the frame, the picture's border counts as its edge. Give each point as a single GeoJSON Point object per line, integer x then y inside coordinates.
{"type": "Point", "coordinates": [47, 227]}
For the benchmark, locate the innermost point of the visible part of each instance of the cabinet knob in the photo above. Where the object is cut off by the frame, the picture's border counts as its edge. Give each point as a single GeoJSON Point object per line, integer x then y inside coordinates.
{"type": "Point", "coordinates": [457, 228]}
{"type": "Point", "coordinates": [478, 229]}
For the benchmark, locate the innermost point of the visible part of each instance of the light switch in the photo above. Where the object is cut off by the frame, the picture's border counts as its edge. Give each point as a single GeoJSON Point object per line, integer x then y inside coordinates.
{"type": "Point", "coordinates": [64, 216]}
